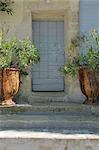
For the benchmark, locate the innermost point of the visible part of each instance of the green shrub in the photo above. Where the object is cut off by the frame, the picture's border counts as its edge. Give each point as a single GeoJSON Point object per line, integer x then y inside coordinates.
{"type": "Point", "coordinates": [17, 53]}
{"type": "Point", "coordinates": [89, 56]}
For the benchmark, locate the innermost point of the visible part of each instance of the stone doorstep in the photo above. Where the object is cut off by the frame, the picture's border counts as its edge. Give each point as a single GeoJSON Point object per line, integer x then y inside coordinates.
{"type": "Point", "coordinates": [49, 116]}
{"type": "Point", "coordinates": [81, 128]}
{"type": "Point", "coordinates": [50, 107]}
{"type": "Point", "coordinates": [76, 117]}
{"type": "Point", "coordinates": [58, 122]}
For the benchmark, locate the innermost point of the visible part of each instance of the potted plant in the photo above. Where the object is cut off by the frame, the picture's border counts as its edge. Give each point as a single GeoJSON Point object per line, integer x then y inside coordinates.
{"type": "Point", "coordinates": [86, 64]}
{"type": "Point", "coordinates": [15, 57]}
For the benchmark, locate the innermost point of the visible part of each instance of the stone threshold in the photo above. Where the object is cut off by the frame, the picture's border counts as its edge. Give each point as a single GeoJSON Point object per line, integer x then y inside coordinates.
{"type": "Point", "coordinates": [50, 107]}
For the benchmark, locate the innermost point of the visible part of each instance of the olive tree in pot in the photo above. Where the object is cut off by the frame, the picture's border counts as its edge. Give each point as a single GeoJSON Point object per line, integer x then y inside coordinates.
{"type": "Point", "coordinates": [15, 57]}
{"type": "Point", "coordinates": [86, 65]}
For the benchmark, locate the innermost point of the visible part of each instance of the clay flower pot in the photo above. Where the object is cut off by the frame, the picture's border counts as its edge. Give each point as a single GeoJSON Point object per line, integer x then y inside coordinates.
{"type": "Point", "coordinates": [10, 85]}
{"type": "Point", "coordinates": [89, 84]}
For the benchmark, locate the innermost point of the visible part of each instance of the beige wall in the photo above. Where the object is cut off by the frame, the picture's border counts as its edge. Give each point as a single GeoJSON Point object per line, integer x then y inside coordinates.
{"type": "Point", "coordinates": [20, 24]}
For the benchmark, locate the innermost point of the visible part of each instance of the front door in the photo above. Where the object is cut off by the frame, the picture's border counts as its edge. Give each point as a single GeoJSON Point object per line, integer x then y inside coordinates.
{"type": "Point", "coordinates": [48, 37]}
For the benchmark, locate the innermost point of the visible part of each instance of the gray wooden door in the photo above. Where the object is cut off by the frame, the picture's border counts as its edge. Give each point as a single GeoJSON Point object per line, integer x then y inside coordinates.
{"type": "Point", "coordinates": [48, 36]}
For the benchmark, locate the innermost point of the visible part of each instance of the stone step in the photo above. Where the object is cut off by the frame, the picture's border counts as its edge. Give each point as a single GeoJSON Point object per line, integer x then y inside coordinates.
{"type": "Point", "coordinates": [50, 107]}
{"type": "Point", "coordinates": [51, 117]}
{"type": "Point", "coordinates": [50, 122]}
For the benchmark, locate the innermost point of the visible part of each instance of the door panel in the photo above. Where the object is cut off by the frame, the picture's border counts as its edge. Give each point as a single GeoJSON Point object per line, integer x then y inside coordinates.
{"type": "Point", "coordinates": [48, 36]}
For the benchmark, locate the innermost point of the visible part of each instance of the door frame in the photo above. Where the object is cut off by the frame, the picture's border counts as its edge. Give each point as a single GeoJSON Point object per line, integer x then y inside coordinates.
{"type": "Point", "coordinates": [50, 16]}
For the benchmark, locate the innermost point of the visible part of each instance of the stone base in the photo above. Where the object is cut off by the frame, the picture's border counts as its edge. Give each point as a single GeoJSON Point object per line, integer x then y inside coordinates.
{"type": "Point", "coordinates": [14, 140]}
{"type": "Point", "coordinates": [8, 102]}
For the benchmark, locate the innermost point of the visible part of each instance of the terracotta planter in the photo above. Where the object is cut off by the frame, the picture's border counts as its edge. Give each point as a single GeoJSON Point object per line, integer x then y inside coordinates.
{"type": "Point", "coordinates": [10, 85]}
{"type": "Point", "coordinates": [89, 84]}
{"type": "Point", "coordinates": [0, 81]}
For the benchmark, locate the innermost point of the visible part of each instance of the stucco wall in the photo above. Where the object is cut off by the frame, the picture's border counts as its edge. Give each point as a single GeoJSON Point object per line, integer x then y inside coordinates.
{"type": "Point", "coordinates": [20, 25]}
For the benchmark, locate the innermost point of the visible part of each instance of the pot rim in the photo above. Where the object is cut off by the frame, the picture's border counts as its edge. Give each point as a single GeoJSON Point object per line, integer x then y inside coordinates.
{"type": "Point", "coordinates": [12, 69]}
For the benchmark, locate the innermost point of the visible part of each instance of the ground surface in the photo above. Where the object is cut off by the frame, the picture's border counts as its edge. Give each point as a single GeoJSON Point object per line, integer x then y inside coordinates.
{"type": "Point", "coordinates": [49, 126]}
